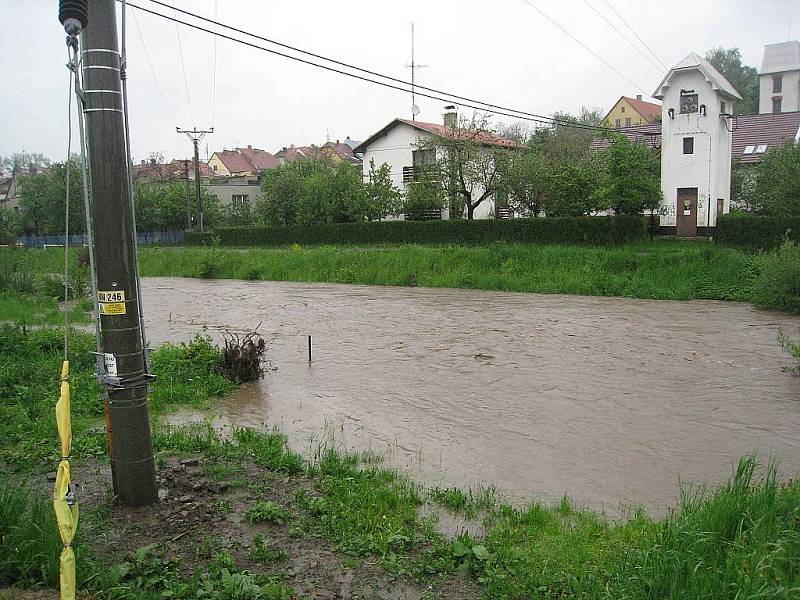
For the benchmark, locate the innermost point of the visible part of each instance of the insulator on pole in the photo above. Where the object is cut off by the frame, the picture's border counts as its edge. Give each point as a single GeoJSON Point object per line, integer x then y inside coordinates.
{"type": "Point", "coordinates": [74, 15]}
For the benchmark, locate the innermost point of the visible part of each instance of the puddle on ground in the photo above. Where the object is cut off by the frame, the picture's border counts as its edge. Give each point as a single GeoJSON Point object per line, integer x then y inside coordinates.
{"type": "Point", "coordinates": [608, 400]}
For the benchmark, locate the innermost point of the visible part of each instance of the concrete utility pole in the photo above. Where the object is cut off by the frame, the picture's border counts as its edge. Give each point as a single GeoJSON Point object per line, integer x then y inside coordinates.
{"type": "Point", "coordinates": [188, 195]}
{"type": "Point", "coordinates": [132, 462]}
{"type": "Point", "coordinates": [196, 135]}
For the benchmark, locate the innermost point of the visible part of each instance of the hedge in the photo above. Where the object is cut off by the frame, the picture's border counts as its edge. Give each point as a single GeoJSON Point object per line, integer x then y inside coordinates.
{"type": "Point", "coordinates": [745, 230]}
{"type": "Point", "coordinates": [551, 230]}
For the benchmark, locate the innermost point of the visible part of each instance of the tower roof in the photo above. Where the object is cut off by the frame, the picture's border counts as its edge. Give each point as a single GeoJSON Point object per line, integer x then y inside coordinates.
{"type": "Point", "coordinates": [695, 62]}
{"type": "Point", "coordinates": [781, 57]}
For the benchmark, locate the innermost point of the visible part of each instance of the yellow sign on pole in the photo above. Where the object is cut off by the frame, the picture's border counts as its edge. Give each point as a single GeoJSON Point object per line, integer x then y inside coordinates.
{"type": "Point", "coordinates": [112, 308]}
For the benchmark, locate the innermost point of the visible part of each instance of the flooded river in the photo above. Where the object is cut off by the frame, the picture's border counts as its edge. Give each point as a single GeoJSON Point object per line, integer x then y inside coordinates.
{"type": "Point", "coordinates": [609, 400]}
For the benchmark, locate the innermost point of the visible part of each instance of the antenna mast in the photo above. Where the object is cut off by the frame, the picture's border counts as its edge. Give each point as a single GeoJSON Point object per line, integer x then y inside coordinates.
{"type": "Point", "coordinates": [414, 66]}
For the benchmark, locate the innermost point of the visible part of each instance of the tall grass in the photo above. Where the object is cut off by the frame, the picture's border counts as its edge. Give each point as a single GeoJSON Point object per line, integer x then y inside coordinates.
{"type": "Point", "coordinates": [665, 269]}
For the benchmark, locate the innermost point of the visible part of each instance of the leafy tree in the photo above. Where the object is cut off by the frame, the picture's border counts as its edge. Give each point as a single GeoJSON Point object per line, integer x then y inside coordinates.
{"type": "Point", "coordinates": [743, 78]}
{"type": "Point", "coordinates": [467, 167]}
{"type": "Point", "coordinates": [630, 183]}
{"type": "Point", "coordinates": [161, 206]}
{"type": "Point", "coordinates": [742, 186]}
{"type": "Point", "coordinates": [12, 224]}
{"type": "Point", "coordinates": [43, 196]}
{"type": "Point", "coordinates": [383, 198]}
{"type": "Point", "coordinates": [562, 143]}
{"type": "Point", "coordinates": [281, 189]}
{"type": "Point", "coordinates": [424, 195]}
{"type": "Point", "coordinates": [777, 182]}
{"type": "Point", "coordinates": [525, 179]}
{"type": "Point", "coordinates": [572, 190]}
{"type": "Point", "coordinates": [236, 216]}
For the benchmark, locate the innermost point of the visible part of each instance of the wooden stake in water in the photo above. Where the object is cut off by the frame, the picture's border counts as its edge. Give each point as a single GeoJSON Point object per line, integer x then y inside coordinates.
{"type": "Point", "coordinates": [309, 348]}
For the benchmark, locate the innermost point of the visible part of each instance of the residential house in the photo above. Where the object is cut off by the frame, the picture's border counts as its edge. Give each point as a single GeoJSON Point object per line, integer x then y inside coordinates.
{"type": "Point", "coordinates": [9, 193]}
{"type": "Point", "coordinates": [779, 78]}
{"type": "Point", "coordinates": [235, 191]}
{"type": "Point", "coordinates": [242, 162]}
{"type": "Point", "coordinates": [629, 112]}
{"type": "Point", "coordinates": [396, 145]}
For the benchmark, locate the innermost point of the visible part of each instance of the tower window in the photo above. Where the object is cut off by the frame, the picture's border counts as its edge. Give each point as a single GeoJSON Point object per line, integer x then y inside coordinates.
{"type": "Point", "coordinates": [688, 145]}
{"type": "Point", "coordinates": [776, 104]}
{"type": "Point", "coordinates": [777, 84]}
{"type": "Point", "coordinates": [722, 107]}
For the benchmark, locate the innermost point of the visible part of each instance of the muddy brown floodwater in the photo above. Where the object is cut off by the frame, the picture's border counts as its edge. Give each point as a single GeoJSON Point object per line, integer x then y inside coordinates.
{"type": "Point", "coordinates": [609, 400]}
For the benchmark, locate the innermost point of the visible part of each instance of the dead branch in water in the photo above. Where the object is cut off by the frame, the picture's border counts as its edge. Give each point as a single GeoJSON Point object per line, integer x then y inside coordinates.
{"type": "Point", "coordinates": [245, 358]}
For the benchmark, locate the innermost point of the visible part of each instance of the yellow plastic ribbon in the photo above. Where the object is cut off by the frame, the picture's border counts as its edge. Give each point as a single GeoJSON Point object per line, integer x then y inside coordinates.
{"type": "Point", "coordinates": [64, 503]}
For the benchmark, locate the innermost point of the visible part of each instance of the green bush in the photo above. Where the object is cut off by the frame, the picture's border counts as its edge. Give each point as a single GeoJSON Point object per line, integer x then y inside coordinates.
{"type": "Point", "coordinates": [746, 230]}
{"type": "Point", "coordinates": [563, 230]}
{"type": "Point", "coordinates": [778, 283]}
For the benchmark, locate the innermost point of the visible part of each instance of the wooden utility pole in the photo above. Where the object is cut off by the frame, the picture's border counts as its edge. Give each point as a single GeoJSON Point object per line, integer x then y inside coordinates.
{"type": "Point", "coordinates": [125, 376]}
{"type": "Point", "coordinates": [196, 135]}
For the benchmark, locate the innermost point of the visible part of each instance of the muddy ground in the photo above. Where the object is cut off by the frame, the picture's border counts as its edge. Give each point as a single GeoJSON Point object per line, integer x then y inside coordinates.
{"type": "Point", "coordinates": [199, 516]}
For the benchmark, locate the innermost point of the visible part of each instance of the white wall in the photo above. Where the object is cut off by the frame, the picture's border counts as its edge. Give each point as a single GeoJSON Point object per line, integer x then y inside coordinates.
{"type": "Point", "coordinates": [790, 92]}
{"type": "Point", "coordinates": [395, 149]}
{"type": "Point", "coordinates": [708, 168]}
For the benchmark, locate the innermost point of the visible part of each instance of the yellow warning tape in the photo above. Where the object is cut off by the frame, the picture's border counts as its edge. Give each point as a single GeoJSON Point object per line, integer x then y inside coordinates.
{"type": "Point", "coordinates": [64, 501]}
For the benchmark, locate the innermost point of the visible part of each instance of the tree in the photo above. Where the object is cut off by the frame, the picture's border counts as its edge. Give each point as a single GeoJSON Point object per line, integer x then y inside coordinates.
{"type": "Point", "coordinates": [743, 78]}
{"type": "Point", "coordinates": [525, 179]}
{"type": "Point", "coordinates": [161, 206]}
{"type": "Point", "coordinates": [281, 190]}
{"type": "Point", "coordinates": [43, 195]}
{"type": "Point", "coordinates": [630, 181]}
{"type": "Point", "coordinates": [567, 140]}
{"type": "Point", "coordinates": [777, 182]}
{"type": "Point", "coordinates": [468, 167]}
{"type": "Point", "coordinates": [23, 163]}
{"type": "Point", "coordinates": [383, 197]}
{"type": "Point", "coordinates": [424, 195]}
{"type": "Point", "coordinates": [742, 186]}
{"type": "Point", "coordinates": [11, 225]}
{"type": "Point", "coordinates": [572, 190]}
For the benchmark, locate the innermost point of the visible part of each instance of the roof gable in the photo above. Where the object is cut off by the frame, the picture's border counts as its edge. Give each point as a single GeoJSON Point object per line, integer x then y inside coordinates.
{"type": "Point", "coordinates": [482, 137]}
{"type": "Point", "coordinates": [695, 62]}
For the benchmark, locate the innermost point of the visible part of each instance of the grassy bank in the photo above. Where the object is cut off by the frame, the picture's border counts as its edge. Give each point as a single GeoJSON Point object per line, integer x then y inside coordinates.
{"type": "Point", "coordinates": [246, 518]}
{"type": "Point", "coordinates": [664, 269]}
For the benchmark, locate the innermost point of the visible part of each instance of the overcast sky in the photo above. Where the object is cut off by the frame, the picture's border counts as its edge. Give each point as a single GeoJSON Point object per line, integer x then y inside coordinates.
{"type": "Point", "coordinates": [500, 51]}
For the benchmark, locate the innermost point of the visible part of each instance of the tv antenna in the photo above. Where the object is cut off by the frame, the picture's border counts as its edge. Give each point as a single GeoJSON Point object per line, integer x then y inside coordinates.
{"type": "Point", "coordinates": [414, 66]}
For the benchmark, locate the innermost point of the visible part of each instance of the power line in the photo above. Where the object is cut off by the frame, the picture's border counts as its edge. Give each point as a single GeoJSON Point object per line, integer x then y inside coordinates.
{"type": "Point", "coordinates": [183, 65]}
{"type": "Point", "coordinates": [152, 70]}
{"type": "Point", "coordinates": [619, 16]}
{"type": "Point", "coordinates": [584, 46]}
{"type": "Point", "coordinates": [623, 36]}
{"type": "Point", "coordinates": [492, 108]}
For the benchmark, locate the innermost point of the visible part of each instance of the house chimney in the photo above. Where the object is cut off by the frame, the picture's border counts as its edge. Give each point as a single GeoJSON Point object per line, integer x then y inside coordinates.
{"type": "Point", "coordinates": [450, 117]}
{"type": "Point", "coordinates": [638, 96]}
{"type": "Point", "coordinates": [249, 147]}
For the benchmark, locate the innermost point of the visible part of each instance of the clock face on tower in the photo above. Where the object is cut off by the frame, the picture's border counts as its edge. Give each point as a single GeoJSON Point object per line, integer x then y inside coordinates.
{"type": "Point", "coordinates": [688, 103]}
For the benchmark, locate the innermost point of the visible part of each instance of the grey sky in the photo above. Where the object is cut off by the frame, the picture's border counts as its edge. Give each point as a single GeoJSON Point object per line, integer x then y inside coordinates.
{"type": "Point", "coordinates": [500, 51]}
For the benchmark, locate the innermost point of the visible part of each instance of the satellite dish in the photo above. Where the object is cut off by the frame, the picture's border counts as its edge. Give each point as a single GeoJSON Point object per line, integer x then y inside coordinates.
{"type": "Point", "coordinates": [415, 110]}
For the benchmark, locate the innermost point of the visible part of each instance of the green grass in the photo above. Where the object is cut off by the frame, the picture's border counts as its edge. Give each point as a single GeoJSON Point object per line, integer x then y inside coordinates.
{"type": "Point", "coordinates": [663, 269]}
{"type": "Point", "coordinates": [20, 308]}
{"type": "Point", "coordinates": [267, 511]}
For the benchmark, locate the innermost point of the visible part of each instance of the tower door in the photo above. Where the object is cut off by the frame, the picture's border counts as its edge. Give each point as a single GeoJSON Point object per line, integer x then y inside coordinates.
{"type": "Point", "coordinates": [686, 212]}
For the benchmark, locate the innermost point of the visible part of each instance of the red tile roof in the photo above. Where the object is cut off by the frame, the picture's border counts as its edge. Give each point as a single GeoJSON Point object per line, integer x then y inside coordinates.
{"type": "Point", "coordinates": [234, 161]}
{"type": "Point", "coordinates": [260, 159]}
{"type": "Point", "coordinates": [770, 130]}
{"type": "Point", "coordinates": [344, 150]}
{"type": "Point", "coordinates": [483, 137]}
{"type": "Point", "coordinates": [648, 110]}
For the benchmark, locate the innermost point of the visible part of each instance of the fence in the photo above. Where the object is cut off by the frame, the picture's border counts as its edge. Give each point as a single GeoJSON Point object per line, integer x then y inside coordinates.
{"type": "Point", "coordinates": [161, 238]}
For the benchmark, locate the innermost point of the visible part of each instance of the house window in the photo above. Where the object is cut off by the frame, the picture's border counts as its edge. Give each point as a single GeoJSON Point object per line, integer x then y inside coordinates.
{"type": "Point", "coordinates": [688, 145]}
{"type": "Point", "coordinates": [627, 121]}
{"type": "Point", "coordinates": [423, 157]}
{"type": "Point", "coordinates": [776, 105]}
{"type": "Point", "coordinates": [622, 109]}
{"type": "Point", "coordinates": [722, 107]}
{"type": "Point", "coordinates": [617, 123]}
{"type": "Point", "coordinates": [777, 84]}
{"type": "Point", "coordinates": [240, 200]}
{"type": "Point", "coordinates": [214, 167]}
{"type": "Point", "coordinates": [688, 103]}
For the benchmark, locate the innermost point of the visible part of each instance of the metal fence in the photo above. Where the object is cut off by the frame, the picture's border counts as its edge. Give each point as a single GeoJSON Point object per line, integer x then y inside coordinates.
{"type": "Point", "coordinates": [145, 238]}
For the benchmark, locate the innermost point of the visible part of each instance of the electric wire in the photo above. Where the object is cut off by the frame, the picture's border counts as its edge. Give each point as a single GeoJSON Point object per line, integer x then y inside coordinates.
{"type": "Point", "coordinates": [183, 66]}
{"type": "Point", "coordinates": [494, 109]}
{"type": "Point", "coordinates": [638, 37]}
{"type": "Point", "coordinates": [584, 46]}
{"type": "Point", "coordinates": [152, 70]}
{"type": "Point", "coordinates": [622, 35]}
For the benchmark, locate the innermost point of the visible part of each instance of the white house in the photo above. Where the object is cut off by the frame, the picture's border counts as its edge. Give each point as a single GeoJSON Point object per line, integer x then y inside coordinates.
{"type": "Point", "coordinates": [696, 124]}
{"type": "Point", "coordinates": [779, 78]}
{"type": "Point", "coordinates": [395, 144]}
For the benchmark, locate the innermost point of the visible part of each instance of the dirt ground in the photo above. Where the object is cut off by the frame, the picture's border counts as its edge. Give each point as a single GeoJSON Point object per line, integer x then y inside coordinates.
{"type": "Point", "coordinates": [198, 517]}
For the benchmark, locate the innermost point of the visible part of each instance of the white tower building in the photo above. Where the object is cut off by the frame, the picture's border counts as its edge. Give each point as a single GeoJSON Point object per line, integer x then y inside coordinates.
{"type": "Point", "coordinates": [779, 78]}
{"type": "Point", "coordinates": [697, 102]}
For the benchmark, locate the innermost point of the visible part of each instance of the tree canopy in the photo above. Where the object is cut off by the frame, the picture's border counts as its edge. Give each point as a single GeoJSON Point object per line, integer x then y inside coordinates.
{"type": "Point", "coordinates": [776, 187]}
{"type": "Point", "coordinates": [743, 78]}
